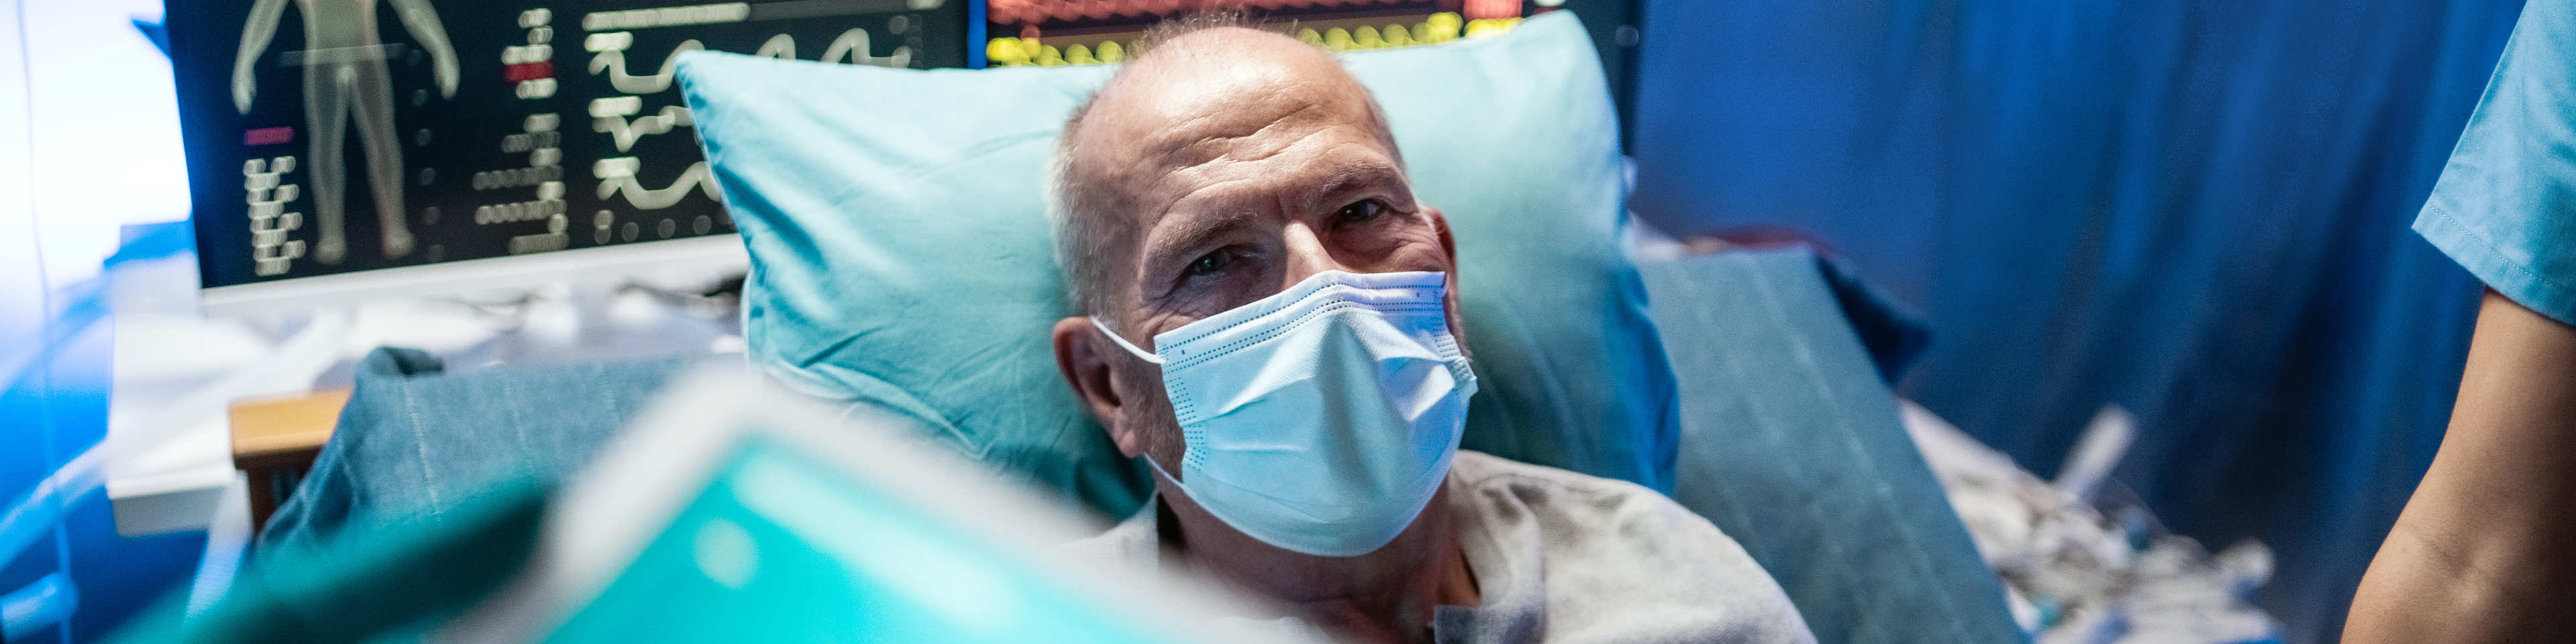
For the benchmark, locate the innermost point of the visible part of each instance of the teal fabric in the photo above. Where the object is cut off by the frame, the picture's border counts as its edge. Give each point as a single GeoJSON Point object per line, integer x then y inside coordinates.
{"type": "Point", "coordinates": [2506, 204]}
{"type": "Point", "coordinates": [390, 582]}
{"type": "Point", "coordinates": [417, 441]}
{"type": "Point", "coordinates": [900, 250]}
{"type": "Point", "coordinates": [1791, 443]}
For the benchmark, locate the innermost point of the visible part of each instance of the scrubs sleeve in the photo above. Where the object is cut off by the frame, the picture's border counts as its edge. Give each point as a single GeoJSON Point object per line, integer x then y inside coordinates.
{"type": "Point", "coordinates": [2505, 206]}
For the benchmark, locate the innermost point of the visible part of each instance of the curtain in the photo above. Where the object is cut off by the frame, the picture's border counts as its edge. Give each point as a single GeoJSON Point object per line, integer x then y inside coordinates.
{"type": "Point", "coordinates": [2195, 209]}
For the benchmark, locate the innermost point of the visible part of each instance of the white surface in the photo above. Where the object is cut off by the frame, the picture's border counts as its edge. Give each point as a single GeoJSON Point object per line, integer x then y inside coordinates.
{"type": "Point", "coordinates": [166, 420]}
{"type": "Point", "coordinates": [22, 287]}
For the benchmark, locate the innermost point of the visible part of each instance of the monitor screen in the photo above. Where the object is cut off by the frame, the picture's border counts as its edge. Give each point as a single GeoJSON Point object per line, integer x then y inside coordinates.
{"type": "Point", "coordinates": [1073, 32]}
{"type": "Point", "coordinates": [331, 137]}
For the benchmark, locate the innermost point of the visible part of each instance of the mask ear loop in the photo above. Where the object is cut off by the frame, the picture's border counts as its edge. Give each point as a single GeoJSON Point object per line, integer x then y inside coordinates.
{"type": "Point", "coordinates": [1148, 357]}
{"type": "Point", "coordinates": [1158, 469]}
{"type": "Point", "coordinates": [1122, 342]}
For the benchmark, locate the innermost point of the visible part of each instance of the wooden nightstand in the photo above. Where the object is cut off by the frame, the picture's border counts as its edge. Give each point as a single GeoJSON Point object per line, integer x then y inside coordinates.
{"type": "Point", "coordinates": [275, 441]}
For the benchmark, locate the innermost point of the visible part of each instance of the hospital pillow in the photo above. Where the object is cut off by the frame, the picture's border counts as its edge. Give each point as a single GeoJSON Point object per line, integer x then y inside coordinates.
{"type": "Point", "coordinates": [900, 251]}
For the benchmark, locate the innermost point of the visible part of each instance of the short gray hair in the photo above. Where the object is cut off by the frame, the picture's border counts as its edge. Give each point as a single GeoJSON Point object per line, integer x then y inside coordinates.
{"type": "Point", "coordinates": [1078, 217]}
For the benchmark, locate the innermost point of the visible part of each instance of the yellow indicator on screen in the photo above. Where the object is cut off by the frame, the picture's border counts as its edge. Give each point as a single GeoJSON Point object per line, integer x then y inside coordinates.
{"type": "Point", "coordinates": [1491, 26]}
{"type": "Point", "coordinates": [1366, 38]}
{"type": "Point", "coordinates": [1005, 51]}
{"type": "Point", "coordinates": [1337, 40]}
{"type": "Point", "coordinates": [1440, 27]}
{"type": "Point", "coordinates": [1396, 36]}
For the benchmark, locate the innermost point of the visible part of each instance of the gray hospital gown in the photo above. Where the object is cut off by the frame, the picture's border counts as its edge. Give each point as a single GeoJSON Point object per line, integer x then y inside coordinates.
{"type": "Point", "coordinates": [1564, 557]}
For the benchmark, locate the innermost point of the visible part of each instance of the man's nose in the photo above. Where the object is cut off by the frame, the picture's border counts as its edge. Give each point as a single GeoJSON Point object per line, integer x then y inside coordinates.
{"type": "Point", "coordinates": [1307, 255]}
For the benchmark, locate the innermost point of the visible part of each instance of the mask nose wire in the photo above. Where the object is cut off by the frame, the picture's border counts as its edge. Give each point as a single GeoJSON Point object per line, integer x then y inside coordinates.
{"type": "Point", "coordinates": [1122, 342]}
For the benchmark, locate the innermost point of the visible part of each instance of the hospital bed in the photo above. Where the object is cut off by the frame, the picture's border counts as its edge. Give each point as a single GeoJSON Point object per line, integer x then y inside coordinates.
{"type": "Point", "coordinates": [1791, 442]}
{"type": "Point", "coordinates": [1750, 384]}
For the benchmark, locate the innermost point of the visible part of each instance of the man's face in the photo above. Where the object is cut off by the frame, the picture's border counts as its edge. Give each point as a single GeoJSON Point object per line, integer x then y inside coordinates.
{"type": "Point", "coordinates": [1239, 176]}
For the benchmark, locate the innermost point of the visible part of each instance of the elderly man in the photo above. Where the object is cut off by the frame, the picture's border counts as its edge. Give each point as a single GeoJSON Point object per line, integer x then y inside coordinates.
{"type": "Point", "coordinates": [1268, 319]}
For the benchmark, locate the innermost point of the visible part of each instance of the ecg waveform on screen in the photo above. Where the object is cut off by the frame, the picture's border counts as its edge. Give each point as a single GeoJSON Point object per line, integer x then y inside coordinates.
{"type": "Point", "coordinates": [624, 120]}
{"type": "Point", "coordinates": [617, 178]}
{"type": "Point", "coordinates": [852, 47]}
{"type": "Point", "coordinates": [625, 132]}
{"type": "Point", "coordinates": [613, 61]}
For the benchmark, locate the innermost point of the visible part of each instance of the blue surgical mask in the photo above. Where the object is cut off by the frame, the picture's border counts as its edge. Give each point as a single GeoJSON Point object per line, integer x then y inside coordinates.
{"type": "Point", "coordinates": [1320, 419]}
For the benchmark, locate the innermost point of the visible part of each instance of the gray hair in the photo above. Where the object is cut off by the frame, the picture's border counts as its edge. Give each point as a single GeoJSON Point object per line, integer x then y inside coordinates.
{"type": "Point", "coordinates": [1079, 221]}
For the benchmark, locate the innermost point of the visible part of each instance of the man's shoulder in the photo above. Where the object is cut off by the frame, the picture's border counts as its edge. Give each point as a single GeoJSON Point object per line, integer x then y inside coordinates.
{"type": "Point", "coordinates": [1478, 468]}
{"type": "Point", "coordinates": [1133, 542]}
{"type": "Point", "coordinates": [1616, 557]}
{"type": "Point", "coordinates": [1490, 478]}
{"type": "Point", "coordinates": [1588, 516]}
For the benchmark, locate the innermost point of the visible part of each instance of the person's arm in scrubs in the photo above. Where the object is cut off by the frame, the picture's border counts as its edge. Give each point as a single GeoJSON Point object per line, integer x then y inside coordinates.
{"type": "Point", "coordinates": [2486, 549]}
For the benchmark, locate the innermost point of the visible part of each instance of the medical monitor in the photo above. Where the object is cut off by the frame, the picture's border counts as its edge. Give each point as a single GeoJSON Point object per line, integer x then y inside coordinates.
{"type": "Point", "coordinates": [346, 149]}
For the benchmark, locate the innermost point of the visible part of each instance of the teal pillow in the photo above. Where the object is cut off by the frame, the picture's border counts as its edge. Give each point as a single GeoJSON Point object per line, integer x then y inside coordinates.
{"type": "Point", "coordinates": [901, 255]}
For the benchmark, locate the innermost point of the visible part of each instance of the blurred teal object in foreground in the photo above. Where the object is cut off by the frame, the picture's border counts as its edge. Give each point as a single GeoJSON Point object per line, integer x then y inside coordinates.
{"type": "Point", "coordinates": [728, 511]}
{"type": "Point", "coordinates": [776, 547]}
{"type": "Point", "coordinates": [779, 548]}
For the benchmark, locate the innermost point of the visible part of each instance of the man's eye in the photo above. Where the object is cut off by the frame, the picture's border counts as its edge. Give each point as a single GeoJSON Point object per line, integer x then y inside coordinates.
{"type": "Point", "coordinates": [1210, 264]}
{"type": "Point", "coordinates": [1359, 211]}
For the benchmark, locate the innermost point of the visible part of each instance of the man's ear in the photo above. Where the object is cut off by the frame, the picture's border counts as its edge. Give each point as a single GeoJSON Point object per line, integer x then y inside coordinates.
{"type": "Point", "coordinates": [1085, 366]}
{"type": "Point", "coordinates": [1448, 244]}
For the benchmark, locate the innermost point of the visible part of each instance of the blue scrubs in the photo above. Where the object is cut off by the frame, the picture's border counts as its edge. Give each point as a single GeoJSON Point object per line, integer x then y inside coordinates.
{"type": "Point", "coordinates": [2506, 205]}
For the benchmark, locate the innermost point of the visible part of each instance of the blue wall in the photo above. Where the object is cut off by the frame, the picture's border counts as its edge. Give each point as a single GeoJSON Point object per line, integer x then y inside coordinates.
{"type": "Point", "coordinates": [2195, 209]}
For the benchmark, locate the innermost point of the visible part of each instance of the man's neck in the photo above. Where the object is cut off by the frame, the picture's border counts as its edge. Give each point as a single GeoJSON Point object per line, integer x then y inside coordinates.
{"type": "Point", "coordinates": [1387, 595]}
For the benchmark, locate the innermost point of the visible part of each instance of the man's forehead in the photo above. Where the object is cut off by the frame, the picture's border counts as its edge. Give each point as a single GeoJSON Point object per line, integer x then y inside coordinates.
{"type": "Point", "coordinates": [1202, 91]}
{"type": "Point", "coordinates": [1228, 117]}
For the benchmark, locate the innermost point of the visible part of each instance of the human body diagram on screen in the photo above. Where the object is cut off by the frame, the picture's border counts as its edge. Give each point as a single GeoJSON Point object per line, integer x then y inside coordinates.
{"type": "Point", "coordinates": [346, 82]}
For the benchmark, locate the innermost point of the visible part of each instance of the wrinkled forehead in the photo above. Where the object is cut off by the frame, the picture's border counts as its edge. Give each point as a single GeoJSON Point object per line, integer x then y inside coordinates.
{"type": "Point", "coordinates": [1222, 94]}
